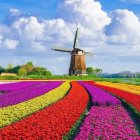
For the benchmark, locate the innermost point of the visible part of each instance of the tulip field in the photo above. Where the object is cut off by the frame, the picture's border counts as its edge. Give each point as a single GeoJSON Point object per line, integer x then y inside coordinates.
{"type": "Point", "coordinates": [69, 110]}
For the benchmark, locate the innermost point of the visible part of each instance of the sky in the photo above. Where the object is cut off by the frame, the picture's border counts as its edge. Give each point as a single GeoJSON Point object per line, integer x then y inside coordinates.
{"type": "Point", "coordinates": [110, 29]}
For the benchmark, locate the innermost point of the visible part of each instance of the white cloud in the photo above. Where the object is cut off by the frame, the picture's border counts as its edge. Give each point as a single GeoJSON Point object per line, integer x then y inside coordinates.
{"type": "Point", "coordinates": [10, 44]}
{"type": "Point", "coordinates": [41, 35]}
{"type": "Point", "coordinates": [30, 30]}
{"type": "Point", "coordinates": [124, 31]}
{"type": "Point", "coordinates": [86, 12]}
{"type": "Point", "coordinates": [15, 12]}
{"type": "Point", "coordinates": [123, 22]}
{"type": "Point", "coordinates": [108, 36]}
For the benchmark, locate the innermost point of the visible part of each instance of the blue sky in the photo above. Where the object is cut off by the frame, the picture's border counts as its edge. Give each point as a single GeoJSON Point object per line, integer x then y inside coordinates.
{"type": "Point", "coordinates": [42, 8]}
{"type": "Point", "coordinates": [111, 5]}
{"type": "Point", "coordinates": [48, 8]}
{"type": "Point", "coordinates": [29, 28]}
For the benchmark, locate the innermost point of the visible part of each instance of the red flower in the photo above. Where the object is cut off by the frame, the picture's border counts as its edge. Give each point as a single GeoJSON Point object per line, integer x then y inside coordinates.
{"type": "Point", "coordinates": [52, 122]}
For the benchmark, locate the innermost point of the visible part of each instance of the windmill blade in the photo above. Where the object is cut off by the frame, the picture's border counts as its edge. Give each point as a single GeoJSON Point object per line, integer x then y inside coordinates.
{"type": "Point", "coordinates": [61, 49]}
{"type": "Point", "coordinates": [89, 53]}
{"type": "Point", "coordinates": [75, 39]}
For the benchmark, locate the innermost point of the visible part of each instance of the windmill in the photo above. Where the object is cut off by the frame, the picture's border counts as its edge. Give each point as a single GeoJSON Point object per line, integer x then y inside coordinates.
{"type": "Point", "coordinates": [77, 63]}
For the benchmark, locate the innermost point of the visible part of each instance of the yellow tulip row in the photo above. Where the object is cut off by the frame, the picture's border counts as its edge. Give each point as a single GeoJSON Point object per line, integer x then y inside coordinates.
{"type": "Point", "coordinates": [136, 87]}
{"type": "Point", "coordinates": [129, 88]}
{"type": "Point", "coordinates": [14, 113]}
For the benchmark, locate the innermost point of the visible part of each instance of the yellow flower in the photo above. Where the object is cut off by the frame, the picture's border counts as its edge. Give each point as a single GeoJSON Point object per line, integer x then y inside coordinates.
{"type": "Point", "coordinates": [14, 113]}
{"type": "Point", "coordinates": [129, 88]}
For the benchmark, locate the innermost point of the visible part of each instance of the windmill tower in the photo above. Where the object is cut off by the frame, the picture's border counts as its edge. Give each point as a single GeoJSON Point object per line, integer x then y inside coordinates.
{"type": "Point", "coordinates": [77, 63]}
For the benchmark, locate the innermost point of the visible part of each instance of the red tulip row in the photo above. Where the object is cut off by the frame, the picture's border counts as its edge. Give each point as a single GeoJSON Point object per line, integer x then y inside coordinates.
{"type": "Point", "coordinates": [53, 122]}
{"type": "Point", "coordinates": [132, 99]}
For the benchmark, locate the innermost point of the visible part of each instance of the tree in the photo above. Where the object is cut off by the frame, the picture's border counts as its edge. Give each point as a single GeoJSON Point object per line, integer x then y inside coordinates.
{"type": "Point", "coordinates": [22, 72]}
{"type": "Point", "coordinates": [93, 71]}
{"type": "Point", "coordinates": [137, 74]}
{"type": "Point", "coordinates": [1, 70]}
{"type": "Point", "coordinates": [40, 71]}
{"type": "Point", "coordinates": [89, 70]}
{"type": "Point", "coordinates": [16, 69]}
{"type": "Point", "coordinates": [28, 66]}
{"type": "Point", "coordinates": [9, 68]}
{"type": "Point", "coordinates": [97, 71]}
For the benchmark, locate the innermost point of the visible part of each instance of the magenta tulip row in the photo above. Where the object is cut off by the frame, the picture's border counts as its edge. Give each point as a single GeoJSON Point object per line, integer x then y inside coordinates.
{"type": "Point", "coordinates": [16, 97]}
{"type": "Point", "coordinates": [17, 88]}
{"type": "Point", "coordinates": [99, 96]}
{"type": "Point", "coordinates": [108, 123]}
{"type": "Point", "coordinates": [4, 88]}
{"type": "Point", "coordinates": [31, 85]}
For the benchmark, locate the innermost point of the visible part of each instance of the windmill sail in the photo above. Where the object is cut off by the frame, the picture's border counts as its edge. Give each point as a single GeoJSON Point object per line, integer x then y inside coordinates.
{"type": "Point", "coordinates": [61, 49]}
{"type": "Point", "coordinates": [75, 39]}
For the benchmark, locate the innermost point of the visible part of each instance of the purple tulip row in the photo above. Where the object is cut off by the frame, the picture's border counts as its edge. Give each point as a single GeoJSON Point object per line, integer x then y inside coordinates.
{"type": "Point", "coordinates": [16, 86]}
{"type": "Point", "coordinates": [26, 87]}
{"type": "Point", "coordinates": [20, 96]}
{"type": "Point", "coordinates": [108, 123]}
{"type": "Point", "coordinates": [99, 96]}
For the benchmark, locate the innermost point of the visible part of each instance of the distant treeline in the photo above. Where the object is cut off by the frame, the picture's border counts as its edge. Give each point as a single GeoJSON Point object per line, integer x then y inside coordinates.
{"type": "Point", "coordinates": [124, 74]}
{"type": "Point", "coordinates": [30, 71]}
{"type": "Point", "coordinates": [25, 70]}
{"type": "Point", "coordinates": [97, 72]}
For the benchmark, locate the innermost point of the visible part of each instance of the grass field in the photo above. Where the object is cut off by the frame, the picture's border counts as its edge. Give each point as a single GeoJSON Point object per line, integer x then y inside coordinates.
{"type": "Point", "coordinates": [135, 81]}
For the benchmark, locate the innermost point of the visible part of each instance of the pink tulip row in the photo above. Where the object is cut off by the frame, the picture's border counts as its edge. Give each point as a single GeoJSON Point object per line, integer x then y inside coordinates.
{"type": "Point", "coordinates": [108, 123]}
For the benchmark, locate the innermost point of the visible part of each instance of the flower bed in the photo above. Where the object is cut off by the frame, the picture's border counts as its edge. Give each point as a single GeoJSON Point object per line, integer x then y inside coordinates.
{"type": "Point", "coordinates": [14, 113]}
{"type": "Point", "coordinates": [4, 88]}
{"type": "Point", "coordinates": [108, 123]}
{"type": "Point", "coordinates": [129, 88]}
{"type": "Point", "coordinates": [99, 96]}
{"type": "Point", "coordinates": [53, 122]}
{"type": "Point", "coordinates": [16, 97]}
{"type": "Point", "coordinates": [132, 99]}
{"type": "Point", "coordinates": [58, 114]}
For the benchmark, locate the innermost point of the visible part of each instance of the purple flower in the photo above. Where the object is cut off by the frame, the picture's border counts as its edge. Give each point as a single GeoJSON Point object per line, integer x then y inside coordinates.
{"type": "Point", "coordinates": [108, 123]}
{"type": "Point", "coordinates": [38, 89]}
{"type": "Point", "coordinates": [99, 96]}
